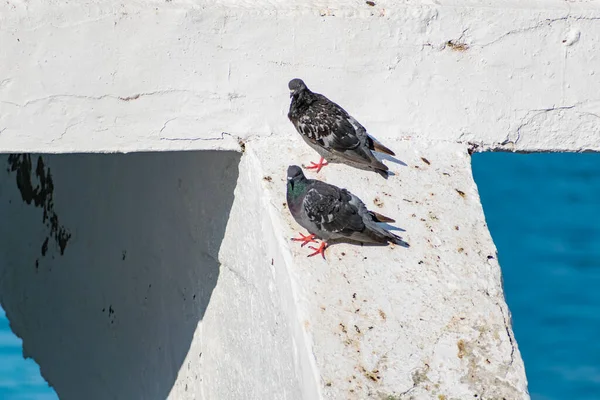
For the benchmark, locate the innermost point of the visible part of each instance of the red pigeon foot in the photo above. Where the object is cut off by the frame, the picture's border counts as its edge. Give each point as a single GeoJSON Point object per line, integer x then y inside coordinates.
{"type": "Point", "coordinates": [320, 250]}
{"type": "Point", "coordinates": [318, 165]}
{"type": "Point", "coordinates": [305, 239]}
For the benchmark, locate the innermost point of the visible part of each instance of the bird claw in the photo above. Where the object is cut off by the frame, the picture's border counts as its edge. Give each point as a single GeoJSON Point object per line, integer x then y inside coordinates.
{"type": "Point", "coordinates": [320, 250]}
{"type": "Point", "coordinates": [305, 239]}
{"type": "Point", "coordinates": [318, 165]}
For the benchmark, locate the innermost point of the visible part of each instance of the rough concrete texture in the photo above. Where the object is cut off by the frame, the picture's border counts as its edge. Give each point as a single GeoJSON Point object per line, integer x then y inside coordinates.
{"type": "Point", "coordinates": [160, 75]}
{"type": "Point", "coordinates": [255, 348]}
{"type": "Point", "coordinates": [172, 284]}
{"type": "Point", "coordinates": [394, 323]}
{"type": "Point", "coordinates": [154, 276]}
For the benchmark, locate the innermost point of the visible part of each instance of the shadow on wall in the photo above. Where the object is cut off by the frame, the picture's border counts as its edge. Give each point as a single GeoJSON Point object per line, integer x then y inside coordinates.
{"type": "Point", "coordinates": [108, 263]}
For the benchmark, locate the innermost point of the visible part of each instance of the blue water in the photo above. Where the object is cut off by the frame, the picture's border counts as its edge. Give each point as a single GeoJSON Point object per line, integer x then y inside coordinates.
{"type": "Point", "coordinates": [543, 211]}
{"type": "Point", "coordinates": [20, 379]}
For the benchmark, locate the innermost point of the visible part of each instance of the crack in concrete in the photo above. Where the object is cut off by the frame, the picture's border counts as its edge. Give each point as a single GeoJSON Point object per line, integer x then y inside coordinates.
{"type": "Point", "coordinates": [456, 44]}
{"type": "Point", "coordinates": [415, 372]}
{"type": "Point", "coordinates": [418, 376]}
{"type": "Point", "coordinates": [545, 23]}
{"type": "Point", "coordinates": [10, 103]}
{"type": "Point", "coordinates": [165, 125]}
{"type": "Point", "coordinates": [510, 338]}
{"type": "Point", "coordinates": [193, 139]}
{"type": "Point", "coordinates": [218, 262]}
{"type": "Point", "coordinates": [66, 130]}
{"type": "Point", "coordinates": [407, 391]}
{"type": "Point", "coordinates": [127, 98]}
{"type": "Point", "coordinates": [589, 113]}
{"type": "Point", "coordinates": [528, 119]}
{"type": "Point", "coordinates": [240, 141]}
{"type": "Point", "coordinates": [241, 278]}
{"type": "Point", "coordinates": [230, 269]}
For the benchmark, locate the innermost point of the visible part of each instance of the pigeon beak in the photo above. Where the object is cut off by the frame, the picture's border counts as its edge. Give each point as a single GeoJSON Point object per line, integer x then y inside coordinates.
{"type": "Point", "coordinates": [291, 94]}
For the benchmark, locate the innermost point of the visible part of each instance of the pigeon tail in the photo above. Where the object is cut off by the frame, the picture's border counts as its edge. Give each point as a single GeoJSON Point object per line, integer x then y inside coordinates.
{"type": "Point", "coordinates": [375, 163]}
{"type": "Point", "coordinates": [380, 217]}
{"type": "Point", "coordinates": [375, 145]}
{"type": "Point", "coordinates": [398, 240]}
{"type": "Point", "coordinates": [382, 172]}
{"type": "Point", "coordinates": [378, 234]}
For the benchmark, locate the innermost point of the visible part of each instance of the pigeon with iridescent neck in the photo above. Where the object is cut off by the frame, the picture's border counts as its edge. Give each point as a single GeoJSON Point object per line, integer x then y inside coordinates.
{"type": "Point", "coordinates": [332, 132]}
{"type": "Point", "coordinates": [330, 213]}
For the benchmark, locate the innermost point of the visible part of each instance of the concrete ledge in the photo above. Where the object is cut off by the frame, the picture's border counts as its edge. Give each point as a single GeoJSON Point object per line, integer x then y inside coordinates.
{"type": "Point", "coordinates": [110, 77]}
{"type": "Point", "coordinates": [234, 310]}
{"type": "Point", "coordinates": [173, 309]}
{"type": "Point", "coordinates": [399, 323]}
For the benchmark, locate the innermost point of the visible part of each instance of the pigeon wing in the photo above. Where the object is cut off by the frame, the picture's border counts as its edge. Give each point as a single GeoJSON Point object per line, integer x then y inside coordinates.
{"type": "Point", "coordinates": [328, 124]}
{"type": "Point", "coordinates": [329, 208]}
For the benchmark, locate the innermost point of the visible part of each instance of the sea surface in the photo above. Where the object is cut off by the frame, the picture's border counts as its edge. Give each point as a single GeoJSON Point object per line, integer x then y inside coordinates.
{"type": "Point", "coordinates": [20, 379]}
{"type": "Point", "coordinates": [543, 211]}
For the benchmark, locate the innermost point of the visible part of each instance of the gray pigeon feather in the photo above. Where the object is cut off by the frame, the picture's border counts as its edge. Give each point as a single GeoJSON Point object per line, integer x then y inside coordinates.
{"type": "Point", "coordinates": [329, 212]}
{"type": "Point", "coordinates": [331, 131]}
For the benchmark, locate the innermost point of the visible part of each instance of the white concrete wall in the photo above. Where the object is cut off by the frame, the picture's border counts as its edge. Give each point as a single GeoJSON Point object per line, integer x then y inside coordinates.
{"type": "Point", "coordinates": [255, 346]}
{"type": "Point", "coordinates": [172, 283]}
{"type": "Point", "coordinates": [115, 315]}
{"type": "Point", "coordinates": [150, 75]}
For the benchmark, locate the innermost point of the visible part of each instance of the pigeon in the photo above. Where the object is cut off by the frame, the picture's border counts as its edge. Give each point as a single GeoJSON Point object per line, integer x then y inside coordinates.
{"type": "Point", "coordinates": [330, 213]}
{"type": "Point", "coordinates": [332, 132]}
